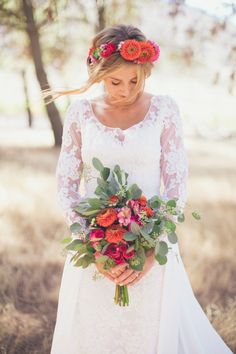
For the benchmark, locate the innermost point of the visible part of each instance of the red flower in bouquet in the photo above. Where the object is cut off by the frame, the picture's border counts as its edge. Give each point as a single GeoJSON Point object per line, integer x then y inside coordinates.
{"type": "Point", "coordinates": [149, 211]}
{"type": "Point", "coordinates": [115, 252]}
{"type": "Point", "coordinates": [115, 233]}
{"type": "Point", "coordinates": [96, 234]}
{"type": "Point", "coordinates": [142, 200]}
{"type": "Point", "coordinates": [106, 217]}
{"type": "Point", "coordinates": [128, 255]}
{"type": "Point", "coordinates": [113, 199]}
{"type": "Point", "coordinates": [119, 252]}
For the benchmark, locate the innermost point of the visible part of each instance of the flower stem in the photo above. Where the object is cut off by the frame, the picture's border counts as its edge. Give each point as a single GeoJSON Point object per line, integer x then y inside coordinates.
{"type": "Point", "coordinates": [121, 295]}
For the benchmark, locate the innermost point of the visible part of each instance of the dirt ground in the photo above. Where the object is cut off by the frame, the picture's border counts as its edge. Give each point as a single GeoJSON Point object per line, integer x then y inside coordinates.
{"type": "Point", "coordinates": [32, 225]}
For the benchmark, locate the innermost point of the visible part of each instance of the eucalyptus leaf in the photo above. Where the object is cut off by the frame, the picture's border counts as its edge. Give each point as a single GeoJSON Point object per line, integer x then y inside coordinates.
{"type": "Point", "coordinates": [163, 248]}
{"type": "Point", "coordinates": [129, 236]}
{"type": "Point", "coordinates": [95, 203]}
{"type": "Point", "coordinates": [181, 217]}
{"type": "Point", "coordinates": [66, 240]}
{"type": "Point", "coordinates": [101, 259]}
{"type": "Point", "coordinates": [155, 202]}
{"type": "Point", "coordinates": [148, 227]}
{"type": "Point", "coordinates": [97, 164]}
{"type": "Point", "coordinates": [172, 237]}
{"type": "Point", "coordinates": [171, 203]}
{"type": "Point", "coordinates": [145, 235]}
{"type": "Point", "coordinates": [135, 229]}
{"type": "Point", "coordinates": [134, 191]}
{"type": "Point", "coordinates": [75, 245]}
{"type": "Point", "coordinates": [161, 259]}
{"type": "Point", "coordinates": [75, 227]}
{"type": "Point", "coordinates": [170, 225]}
{"type": "Point", "coordinates": [105, 173]}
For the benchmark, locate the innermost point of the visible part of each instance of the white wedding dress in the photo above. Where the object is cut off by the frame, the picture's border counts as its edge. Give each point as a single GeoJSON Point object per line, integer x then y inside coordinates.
{"type": "Point", "coordinates": [163, 316]}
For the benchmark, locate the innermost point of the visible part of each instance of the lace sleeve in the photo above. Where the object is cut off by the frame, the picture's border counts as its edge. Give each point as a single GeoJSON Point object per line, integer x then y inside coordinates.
{"type": "Point", "coordinates": [174, 164]}
{"type": "Point", "coordinates": [69, 166]}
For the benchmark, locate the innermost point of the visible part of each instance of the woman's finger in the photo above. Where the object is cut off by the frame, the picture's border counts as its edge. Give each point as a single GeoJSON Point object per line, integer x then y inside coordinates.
{"type": "Point", "coordinates": [130, 279]}
{"type": "Point", "coordinates": [124, 275]}
{"type": "Point", "coordinates": [136, 280]}
{"type": "Point", "coordinates": [119, 268]}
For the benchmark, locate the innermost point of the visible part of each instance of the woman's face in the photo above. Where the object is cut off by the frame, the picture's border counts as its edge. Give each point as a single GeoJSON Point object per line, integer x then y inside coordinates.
{"type": "Point", "coordinates": [121, 83]}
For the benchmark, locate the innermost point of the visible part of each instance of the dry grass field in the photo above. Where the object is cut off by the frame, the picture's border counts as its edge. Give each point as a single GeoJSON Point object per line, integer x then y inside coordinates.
{"type": "Point", "coordinates": [32, 224]}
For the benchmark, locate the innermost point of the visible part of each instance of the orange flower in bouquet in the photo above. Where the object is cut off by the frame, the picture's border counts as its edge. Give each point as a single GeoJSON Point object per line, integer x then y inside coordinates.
{"type": "Point", "coordinates": [106, 217]}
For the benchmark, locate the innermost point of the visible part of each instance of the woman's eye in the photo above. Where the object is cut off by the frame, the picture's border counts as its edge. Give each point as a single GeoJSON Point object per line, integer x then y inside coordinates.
{"type": "Point", "coordinates": [115, 83]}
{"type": "Point", "coordinates": [134, 82]}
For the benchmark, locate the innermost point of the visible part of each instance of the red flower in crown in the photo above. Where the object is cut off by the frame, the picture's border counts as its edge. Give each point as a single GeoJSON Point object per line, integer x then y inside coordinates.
{"type": "Point", "coordinates": [130, 49]}
{"type": "Point", "coordinates": [107, 49]}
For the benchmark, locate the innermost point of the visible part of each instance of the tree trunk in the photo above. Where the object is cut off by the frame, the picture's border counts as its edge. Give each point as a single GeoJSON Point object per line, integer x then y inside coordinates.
{"type": "Point", "coordinates": [27, 105]}
{"type": "Point", "coordinates": [33, 34]}
{"type": "Point", "coordinates": [101, 15]}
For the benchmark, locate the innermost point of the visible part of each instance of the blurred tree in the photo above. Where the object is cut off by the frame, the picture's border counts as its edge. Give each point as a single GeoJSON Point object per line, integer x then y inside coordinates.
{"type": "Point", "coordinates": [19, 16]}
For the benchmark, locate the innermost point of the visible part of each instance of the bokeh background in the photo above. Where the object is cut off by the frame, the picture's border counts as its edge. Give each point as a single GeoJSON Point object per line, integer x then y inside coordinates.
{"type": "Point", "coordinates": [44, 43]}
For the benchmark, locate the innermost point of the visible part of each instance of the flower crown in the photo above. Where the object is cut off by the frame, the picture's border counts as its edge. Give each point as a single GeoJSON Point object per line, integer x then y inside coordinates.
{"type": "Point", "coordinates": [138, 52]}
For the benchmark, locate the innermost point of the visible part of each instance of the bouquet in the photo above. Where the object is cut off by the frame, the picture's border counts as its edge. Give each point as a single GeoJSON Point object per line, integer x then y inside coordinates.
{"type": "Point", "coordinates": [122, 225]}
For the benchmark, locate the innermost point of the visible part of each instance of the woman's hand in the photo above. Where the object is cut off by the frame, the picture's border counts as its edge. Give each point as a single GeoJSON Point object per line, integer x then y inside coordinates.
{"type": "Point", "coordinates": [130, 276]}
{"type": "Point", "coordinates": [108, 273]}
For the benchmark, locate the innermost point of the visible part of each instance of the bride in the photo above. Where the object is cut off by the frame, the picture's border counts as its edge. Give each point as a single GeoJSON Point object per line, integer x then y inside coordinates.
{"type": "Point", "coordinates": [143, 134]}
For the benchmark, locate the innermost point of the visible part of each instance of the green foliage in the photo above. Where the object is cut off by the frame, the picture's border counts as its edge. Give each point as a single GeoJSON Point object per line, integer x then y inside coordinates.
{"type": "Point", "coordinates": [172, 237]}
{"type": "Point", "coordinates": [75, 227]}
{"type": "Point", "coordinates": [196, 215]}
{"type": "Point", "coordinates": [161, 259]}
{"type": "Point", "coordinates": [129, 236]}
{"type": "Point", "coordinates": [134, 192]}
{"type": "Point", "coordinates": [97, 164]}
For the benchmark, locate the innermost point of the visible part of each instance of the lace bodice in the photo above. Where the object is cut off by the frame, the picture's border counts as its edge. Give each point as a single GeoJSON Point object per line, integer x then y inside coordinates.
{"type": "Point", "coordinates": [150, 151]}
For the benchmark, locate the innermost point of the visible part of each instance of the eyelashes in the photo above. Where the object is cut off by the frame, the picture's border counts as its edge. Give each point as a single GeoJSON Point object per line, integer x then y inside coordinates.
{"type": "Point", "coordinates": [115, 84]}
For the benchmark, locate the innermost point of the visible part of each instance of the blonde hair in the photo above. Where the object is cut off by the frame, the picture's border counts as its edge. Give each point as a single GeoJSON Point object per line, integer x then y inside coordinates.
{"type": "Point", "coordinates": [105, 66]}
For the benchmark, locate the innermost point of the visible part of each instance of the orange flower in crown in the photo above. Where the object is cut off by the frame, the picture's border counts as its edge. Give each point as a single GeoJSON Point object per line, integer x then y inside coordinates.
{"type": "Point", "coordinates": [138, 52]}
{"type": "Point", "coordinates": [130, 49]}
{"type": "Point", "coordinates": [147, 52]}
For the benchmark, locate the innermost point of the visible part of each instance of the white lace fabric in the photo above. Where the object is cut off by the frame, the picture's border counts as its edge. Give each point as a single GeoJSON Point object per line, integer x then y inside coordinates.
{"type": "Point", "coordinates": [173, 160]}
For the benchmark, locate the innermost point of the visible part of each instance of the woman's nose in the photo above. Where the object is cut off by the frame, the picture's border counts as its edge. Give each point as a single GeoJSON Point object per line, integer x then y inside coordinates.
{"type": "Point", "coordinates": [125, 91]}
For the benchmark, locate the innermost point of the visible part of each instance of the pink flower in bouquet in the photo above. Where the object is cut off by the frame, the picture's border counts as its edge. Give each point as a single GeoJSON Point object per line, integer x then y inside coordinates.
{"type": "Point", "coordinates": [124, 216]}
{"type": "Point", "coordinates": [134, 218]}
{"type": "Point", "coordinates": [96, 234]}
{"type": "Point", "coordinates": [135, 206]}
{"type": "Point", "coordinates": [114, 251]}
{"type": "Point", "coordinates": [97, 246]}
{"type": "Point", "coordinates": [97, 254]}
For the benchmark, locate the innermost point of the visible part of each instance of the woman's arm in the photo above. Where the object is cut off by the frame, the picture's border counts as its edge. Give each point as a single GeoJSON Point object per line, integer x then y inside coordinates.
{"type": "Point", "coordinates": [70, 165]}
{"type": "Point", "coordinates": [173, 162]}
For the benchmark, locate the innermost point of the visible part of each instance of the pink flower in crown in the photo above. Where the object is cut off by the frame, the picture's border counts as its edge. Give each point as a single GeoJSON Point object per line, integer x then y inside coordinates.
{"type": "Point", "coordinates": [124, 216]}
{"type": "Point", "coordinates": [157, 51]}
{"type": "Point", "coordinates": [107, 49]}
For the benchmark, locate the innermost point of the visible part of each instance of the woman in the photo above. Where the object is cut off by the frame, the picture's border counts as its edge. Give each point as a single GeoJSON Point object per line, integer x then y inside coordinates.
{"type": "Point", "coordinates": [143, 134]}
